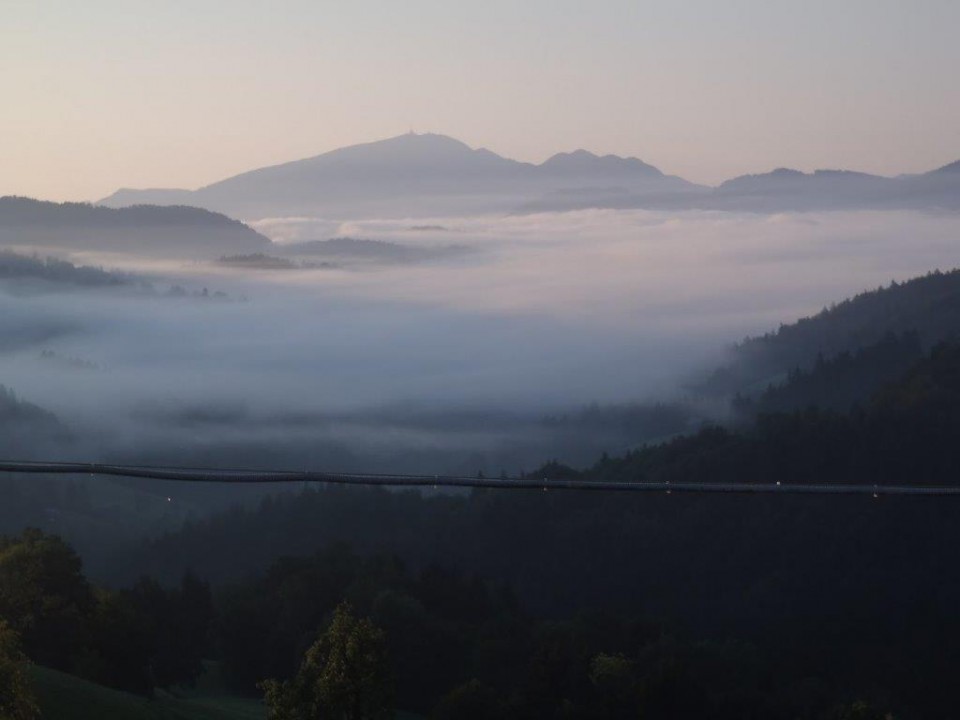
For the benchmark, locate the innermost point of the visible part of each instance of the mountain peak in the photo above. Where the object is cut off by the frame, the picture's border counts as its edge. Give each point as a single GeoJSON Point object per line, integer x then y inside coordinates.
{"type": "Point", "coordinates": [411, 151]}
{"type": "Point", "coordinates": [785, 172]}
{"type": "Point", "coordinates": [582, 160]}
{"type": "Point", "coordinates": [404, 146]}
{"type": "Point", "coordinates": [422, 140]}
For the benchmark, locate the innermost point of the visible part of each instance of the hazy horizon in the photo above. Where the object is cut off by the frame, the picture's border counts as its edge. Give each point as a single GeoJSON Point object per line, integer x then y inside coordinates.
{"type": "Point", "coordinates": [477, 296]}
{"type": "Point", "coordinates": [105, 97]}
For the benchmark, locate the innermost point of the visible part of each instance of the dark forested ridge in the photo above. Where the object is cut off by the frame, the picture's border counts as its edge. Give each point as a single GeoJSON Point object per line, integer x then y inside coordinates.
{"type": "Point", "coordinates": [22, 211]}
{"type": "Point", "coordinates": [145, 229]}
{"type": "Point", "coordinates": [841, 382]}
{"type": "Point", "coordinates": [14, 266]}
{"type": "Point", "coordinates": [928, 306]}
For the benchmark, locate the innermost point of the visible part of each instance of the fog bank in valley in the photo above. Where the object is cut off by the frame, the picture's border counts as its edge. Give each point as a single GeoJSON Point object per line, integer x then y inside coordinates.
{"type": "Point", "coordinates": [449, 364]}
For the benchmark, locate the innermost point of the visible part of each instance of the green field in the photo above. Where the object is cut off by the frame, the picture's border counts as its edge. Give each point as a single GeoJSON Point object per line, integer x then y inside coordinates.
{"type": "Point", "coordinates": [65, 697]}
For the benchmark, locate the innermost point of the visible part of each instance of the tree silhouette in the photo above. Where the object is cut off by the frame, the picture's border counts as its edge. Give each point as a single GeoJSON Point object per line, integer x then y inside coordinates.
{"type": "Point", "coordinates": [16, 696]}
{"type": "Point", "coordinates": [344, 676]}
{"type": "Point", "coordinates": [44, 596]}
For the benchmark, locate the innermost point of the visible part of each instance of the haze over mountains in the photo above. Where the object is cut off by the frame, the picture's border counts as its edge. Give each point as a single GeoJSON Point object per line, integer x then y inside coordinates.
{"type": "Point", "coordinates": [187, 232]}
{"type": "Point", "coordinates": [416, 175]}
{"type": "Point", "coordinates": [427, 174]}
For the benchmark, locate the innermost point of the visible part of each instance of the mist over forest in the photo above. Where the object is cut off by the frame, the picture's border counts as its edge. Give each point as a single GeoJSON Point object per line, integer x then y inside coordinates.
{"type": "Point", "coordinates": [598, 344]}
{"type": "Point", "coordinates": [442, 362]}
{"type": "Point", "coordinates": [479, 361]}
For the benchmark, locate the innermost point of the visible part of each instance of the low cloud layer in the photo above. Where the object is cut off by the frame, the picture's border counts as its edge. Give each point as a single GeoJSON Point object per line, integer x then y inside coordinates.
{"type": "Point", "coordinates": [549, 312]}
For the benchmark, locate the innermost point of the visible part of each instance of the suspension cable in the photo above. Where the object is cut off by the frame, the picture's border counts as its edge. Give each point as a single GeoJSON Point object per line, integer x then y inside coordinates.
{"type": "Point", "coordinates": [526, 482]}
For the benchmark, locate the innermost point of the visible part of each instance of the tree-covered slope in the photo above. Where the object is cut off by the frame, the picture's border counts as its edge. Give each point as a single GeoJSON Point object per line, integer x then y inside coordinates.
{"type": "Point", "coordinates": [16, 266]}
{"type": "Point", "coordinates": [841, 382]}
{"type": "Point", "coordinates": [24, 425]}
{"type": "Point", "coordinates": [928, 306]}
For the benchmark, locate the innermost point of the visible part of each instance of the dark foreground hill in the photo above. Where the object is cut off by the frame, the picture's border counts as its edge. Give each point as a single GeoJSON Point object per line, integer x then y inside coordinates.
{"type": "Point", "coordinates": [143, 230]}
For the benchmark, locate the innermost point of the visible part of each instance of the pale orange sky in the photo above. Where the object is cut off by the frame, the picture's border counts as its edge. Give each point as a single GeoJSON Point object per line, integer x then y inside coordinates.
{"type": "Point", "coordinates": [107, 94]}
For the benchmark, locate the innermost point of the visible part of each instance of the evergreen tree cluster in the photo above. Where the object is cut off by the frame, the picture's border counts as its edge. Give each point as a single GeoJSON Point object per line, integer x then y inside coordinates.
{"type": "Point", "coordinates": [134, 640]}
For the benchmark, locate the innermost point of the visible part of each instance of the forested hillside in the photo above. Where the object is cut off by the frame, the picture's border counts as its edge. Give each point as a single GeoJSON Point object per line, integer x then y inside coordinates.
{"type": "Point", "coordinates": [547, 603]}
{"type": "Point", "coordinates": [928, 306]}
{"type": "Point", "coordinates": [770, 572]}
{"type": "Point", "coordinates": [25, 426]}
{"type": "Point", "coordinates": [842, 382]}
{"type": "Point", "coordinates": [25, 267]}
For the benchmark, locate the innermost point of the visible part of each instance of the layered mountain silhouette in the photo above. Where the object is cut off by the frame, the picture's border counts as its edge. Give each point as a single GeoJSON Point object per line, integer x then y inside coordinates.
{"type": "Point", "coordinates": [783, 190]}
{"type": "Point", "coordinates": [421, 175]}
{"type": "Point", "coordinates": [409, 175]}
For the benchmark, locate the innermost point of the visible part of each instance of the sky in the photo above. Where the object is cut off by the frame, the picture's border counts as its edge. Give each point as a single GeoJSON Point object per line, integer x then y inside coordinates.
{"type": "Point", "coordinates": [106, 94]}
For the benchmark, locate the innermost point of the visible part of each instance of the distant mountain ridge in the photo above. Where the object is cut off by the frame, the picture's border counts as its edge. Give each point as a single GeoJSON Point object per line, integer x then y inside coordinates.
{"type": "Point", "coordinates": [419, 175]}
{"type": "Point", "coordinates": [585, 161]}
{"type": "Point", "coordinates": [781, 190]}
{"type": "Point", "coordinates": [152, 230]}
{"type": "Point", "coordinates": [412, 174]}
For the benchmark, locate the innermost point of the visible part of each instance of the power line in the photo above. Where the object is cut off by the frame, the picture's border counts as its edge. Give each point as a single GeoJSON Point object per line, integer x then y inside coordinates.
{"type": "Point", "coordinates": [213, 475]}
